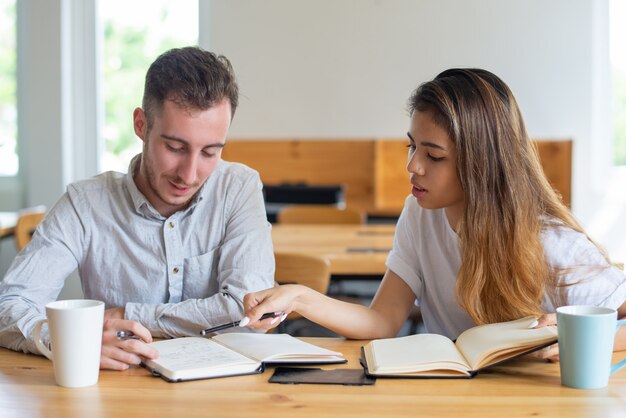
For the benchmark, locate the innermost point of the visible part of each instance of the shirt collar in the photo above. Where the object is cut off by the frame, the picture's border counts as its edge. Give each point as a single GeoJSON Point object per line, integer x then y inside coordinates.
{"type": "Point", "coordinates": [140, 202]}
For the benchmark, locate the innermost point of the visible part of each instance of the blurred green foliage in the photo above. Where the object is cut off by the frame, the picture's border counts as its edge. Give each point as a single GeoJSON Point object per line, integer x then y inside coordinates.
{"type": "Point", "coordinates": [619, 117]}
{"type": "Point", "coordinates": [8, 98]}
{"type": "Point", "coordinates": [129, 49]}
{"type": "Point", "coordinates": [7, 52]}
{"type": "Point", "coordinates": [125, 65]}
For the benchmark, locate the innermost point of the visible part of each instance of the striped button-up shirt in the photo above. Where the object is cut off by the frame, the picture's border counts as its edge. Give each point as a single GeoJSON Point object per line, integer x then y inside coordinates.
{"type": "Point", "coordinates": [176, 275]}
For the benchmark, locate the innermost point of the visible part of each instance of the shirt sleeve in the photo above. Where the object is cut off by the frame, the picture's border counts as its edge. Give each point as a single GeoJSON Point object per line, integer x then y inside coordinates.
{"type": "Point", "coordinates": [403, 258]}
{"type": "Point", "coordinates": [584, 275]}
{"type": "Point", "coordinates": [245, 265]}
{"type": "Point", "coordinates": [37, 275]}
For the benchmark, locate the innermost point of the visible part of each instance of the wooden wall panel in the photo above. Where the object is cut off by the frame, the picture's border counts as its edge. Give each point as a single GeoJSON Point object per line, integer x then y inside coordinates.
{"type": "Point", "coordinates": [373, 171]}
{"type": "Point", "coordinates": [391, 185]}
{"type": "Point", "coordinates": [391, 159]}
{"type": "Point", "coordinates": [317, 162]}
{"type": "Point", "coordinates": [556, 160]}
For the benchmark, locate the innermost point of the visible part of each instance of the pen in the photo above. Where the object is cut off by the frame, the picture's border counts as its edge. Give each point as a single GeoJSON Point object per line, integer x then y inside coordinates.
{"type": "Point", "coordinates": [236, 323]}
{"type": "Point", "coordinates": [126, 335]}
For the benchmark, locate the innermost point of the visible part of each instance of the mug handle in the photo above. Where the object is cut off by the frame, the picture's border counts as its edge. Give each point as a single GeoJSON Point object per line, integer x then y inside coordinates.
{"type": "Point", "coordinates": [40, 345]}
{"type": "Point", "coordinates": [615, 367]}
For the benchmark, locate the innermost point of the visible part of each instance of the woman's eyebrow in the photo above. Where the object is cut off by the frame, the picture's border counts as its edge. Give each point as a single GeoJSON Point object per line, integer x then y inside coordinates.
{"type": "Point", "coordinates": [427, 144]}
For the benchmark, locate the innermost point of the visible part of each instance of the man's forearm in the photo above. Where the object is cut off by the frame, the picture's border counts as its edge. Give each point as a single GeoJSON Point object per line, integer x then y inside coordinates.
{"type": "Point", "coordinates": [186, 318]}
{"type": "Point", "coordinates": [17, 320]}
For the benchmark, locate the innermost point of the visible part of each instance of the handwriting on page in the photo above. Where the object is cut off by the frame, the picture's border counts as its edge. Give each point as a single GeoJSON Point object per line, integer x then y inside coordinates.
{"type": "Point", "coordinates": [201, 353]}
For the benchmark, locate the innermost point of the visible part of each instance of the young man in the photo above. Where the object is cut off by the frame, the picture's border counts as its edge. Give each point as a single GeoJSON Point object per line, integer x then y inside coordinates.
{"type": "Point", "coordinates": [171, 247]}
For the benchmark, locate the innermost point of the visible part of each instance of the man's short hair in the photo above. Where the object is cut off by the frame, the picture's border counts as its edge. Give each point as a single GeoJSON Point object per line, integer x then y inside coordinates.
{"type": "Point", "coordinates": [190, 77]}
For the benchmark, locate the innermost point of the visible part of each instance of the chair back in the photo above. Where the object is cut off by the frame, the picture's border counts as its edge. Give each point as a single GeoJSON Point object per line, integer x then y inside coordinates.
{"type": "Point", "coordinates": [309, 270]}
{"type": "Point", "coordinates": [319, 214]}
{"type": "Point", "coordinates": [27, 222]}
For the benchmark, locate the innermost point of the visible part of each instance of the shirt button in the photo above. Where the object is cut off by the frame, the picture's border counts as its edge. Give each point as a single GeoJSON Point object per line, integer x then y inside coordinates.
{"type": "Point", "coordinates": [175, 270]}
{"type": "Point", "coordinates": [171, 225]}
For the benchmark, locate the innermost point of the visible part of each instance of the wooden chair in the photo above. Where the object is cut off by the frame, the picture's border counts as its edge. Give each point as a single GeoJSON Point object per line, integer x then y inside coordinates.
{"type": "Point", "coordinates": [27, 221]}
{"type": "Point", "coordinates": [324, 214]}
{"type": "Point", "coordinates": [319, 214]}
{"type": "Point", "coordinates": [296, 268]}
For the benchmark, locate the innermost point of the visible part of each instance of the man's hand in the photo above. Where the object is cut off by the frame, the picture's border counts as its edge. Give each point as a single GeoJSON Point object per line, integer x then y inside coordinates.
{"type": "Point", "coordinates": [121, 354]}
{"type": "Point", "coordinates": [114, 313]}
{"type": "Point", "coordinates": [550, 353]}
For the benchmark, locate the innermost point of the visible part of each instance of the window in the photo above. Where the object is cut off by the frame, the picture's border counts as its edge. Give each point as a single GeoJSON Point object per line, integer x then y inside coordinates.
{"type": "Point", "coordinates": [8, 82]}
{"type": "Point", "coordinates": [618, 72]}
{"type": "Point", "coordinates": [135, 33]}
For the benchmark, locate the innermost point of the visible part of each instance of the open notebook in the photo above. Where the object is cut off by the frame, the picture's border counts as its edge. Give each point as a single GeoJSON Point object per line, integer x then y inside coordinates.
{"type": "Point", "coordinates": [231, 354]}
{"type": "Point", "coordinates": [433, 355]}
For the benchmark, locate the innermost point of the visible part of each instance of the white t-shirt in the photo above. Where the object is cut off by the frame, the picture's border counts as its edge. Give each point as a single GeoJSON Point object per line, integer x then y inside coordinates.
{"type": "Point", "coordinates": [426, 255]}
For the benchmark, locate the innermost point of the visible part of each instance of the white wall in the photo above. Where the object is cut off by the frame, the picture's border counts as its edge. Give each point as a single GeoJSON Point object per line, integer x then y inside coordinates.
{"type": "Point", "coordinates": [345, 68]}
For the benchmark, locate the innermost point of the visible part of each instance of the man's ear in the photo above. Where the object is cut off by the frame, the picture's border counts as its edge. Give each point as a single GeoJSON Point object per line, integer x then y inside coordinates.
{"type": "Point", "coordinates": [140, 123]}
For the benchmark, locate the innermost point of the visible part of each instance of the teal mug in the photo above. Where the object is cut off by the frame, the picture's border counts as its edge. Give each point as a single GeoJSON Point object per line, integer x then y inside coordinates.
{"type": "Point", "coordinates": [586, 335]}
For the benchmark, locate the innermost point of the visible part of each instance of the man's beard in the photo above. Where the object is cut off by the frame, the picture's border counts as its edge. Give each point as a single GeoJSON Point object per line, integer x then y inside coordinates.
{"type": "Point", "coordinates": [152, 181]}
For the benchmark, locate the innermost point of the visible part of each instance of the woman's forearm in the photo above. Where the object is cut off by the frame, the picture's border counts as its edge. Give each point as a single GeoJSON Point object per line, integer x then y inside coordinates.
{"type": "Point", "coordinates": [383, 319]}
{"type": "Point", "coordinates": [348, 319]}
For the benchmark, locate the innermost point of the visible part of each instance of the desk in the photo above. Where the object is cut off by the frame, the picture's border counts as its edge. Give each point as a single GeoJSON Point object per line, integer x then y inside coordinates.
{"type": "Point", "coordinates": [359, 250]}
{"type": "Point", "coordinates": [8, 220]}
{"type": "Point", "coordinates": [525, 387]}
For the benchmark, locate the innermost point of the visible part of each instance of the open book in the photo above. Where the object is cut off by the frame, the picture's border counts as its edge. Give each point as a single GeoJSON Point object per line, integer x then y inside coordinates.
{"type": "Point", "coordinates": [433, 355]}
{"type": "Point", "coordinates": [191, 358]}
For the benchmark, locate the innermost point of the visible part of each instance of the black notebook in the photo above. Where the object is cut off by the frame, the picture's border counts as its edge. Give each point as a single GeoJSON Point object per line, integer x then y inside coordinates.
{"type": "Point", "coordinates": [306, 375]}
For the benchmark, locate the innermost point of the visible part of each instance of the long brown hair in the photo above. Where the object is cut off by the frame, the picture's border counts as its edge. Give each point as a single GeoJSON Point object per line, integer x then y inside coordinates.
{"type": "Point", "coordinates": [508, 200]}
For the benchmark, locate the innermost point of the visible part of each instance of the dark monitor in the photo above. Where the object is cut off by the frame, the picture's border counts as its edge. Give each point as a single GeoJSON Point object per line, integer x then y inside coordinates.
{"type": "Point", "coordinates": [278, 196]}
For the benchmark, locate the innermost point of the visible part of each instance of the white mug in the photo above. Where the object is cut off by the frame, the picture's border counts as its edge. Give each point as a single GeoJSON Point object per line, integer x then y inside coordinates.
{"type": "Point", "coordinates": [75, 328]}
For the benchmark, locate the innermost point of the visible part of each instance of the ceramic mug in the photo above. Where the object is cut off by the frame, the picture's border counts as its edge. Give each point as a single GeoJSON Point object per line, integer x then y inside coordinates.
{"type": "Point", "coordinates": [75, 329]}
{"type": "Point", "coordinates": [586, 335]}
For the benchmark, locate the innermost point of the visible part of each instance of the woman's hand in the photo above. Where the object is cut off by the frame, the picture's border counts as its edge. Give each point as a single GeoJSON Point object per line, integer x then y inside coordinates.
{"type": "Point", "coordinates": [275, 299]}
{"type": "Point", "coordinates": [551, 352]}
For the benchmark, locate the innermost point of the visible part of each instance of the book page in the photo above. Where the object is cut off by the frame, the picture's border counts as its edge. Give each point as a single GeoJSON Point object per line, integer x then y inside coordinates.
{"type": "Point", "coordinates": [276, 348]}
{"type": "Point", "coordinates": [413, 354]}
{"type": "Point", "coordinates": [194, 357]}
{"type": "Point", "coordinates": [491, 343]}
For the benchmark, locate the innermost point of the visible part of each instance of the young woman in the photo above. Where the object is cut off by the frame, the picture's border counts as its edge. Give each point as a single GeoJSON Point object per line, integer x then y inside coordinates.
{"type": "Point", "coordinates": [483, 238]}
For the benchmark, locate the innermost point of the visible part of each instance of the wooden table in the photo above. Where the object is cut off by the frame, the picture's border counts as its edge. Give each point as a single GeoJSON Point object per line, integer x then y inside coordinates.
{"type": "Point", "coordinates": [7, 223]}
{"type": "Point", "coordinates": [353, 250]}
{"type": "Point", "coordinates": [525, 387]}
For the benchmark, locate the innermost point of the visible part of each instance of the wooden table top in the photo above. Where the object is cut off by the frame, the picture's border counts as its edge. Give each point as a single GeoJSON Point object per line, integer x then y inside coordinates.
{"type": "Point", "coordinates": [524, 387]}
{"type": "Point", "coordinates": [351, 249]}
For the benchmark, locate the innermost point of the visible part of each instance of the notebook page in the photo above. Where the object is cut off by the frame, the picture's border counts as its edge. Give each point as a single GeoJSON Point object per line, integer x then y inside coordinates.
{"type": "Point", "coordinates": [269, 347]}
{"type": "Point", "coordinates": [195, 353]}
{"type": "Point", "coordinates": [479, 344]}
{"type": "Point", "coordinates": [413, 353]}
